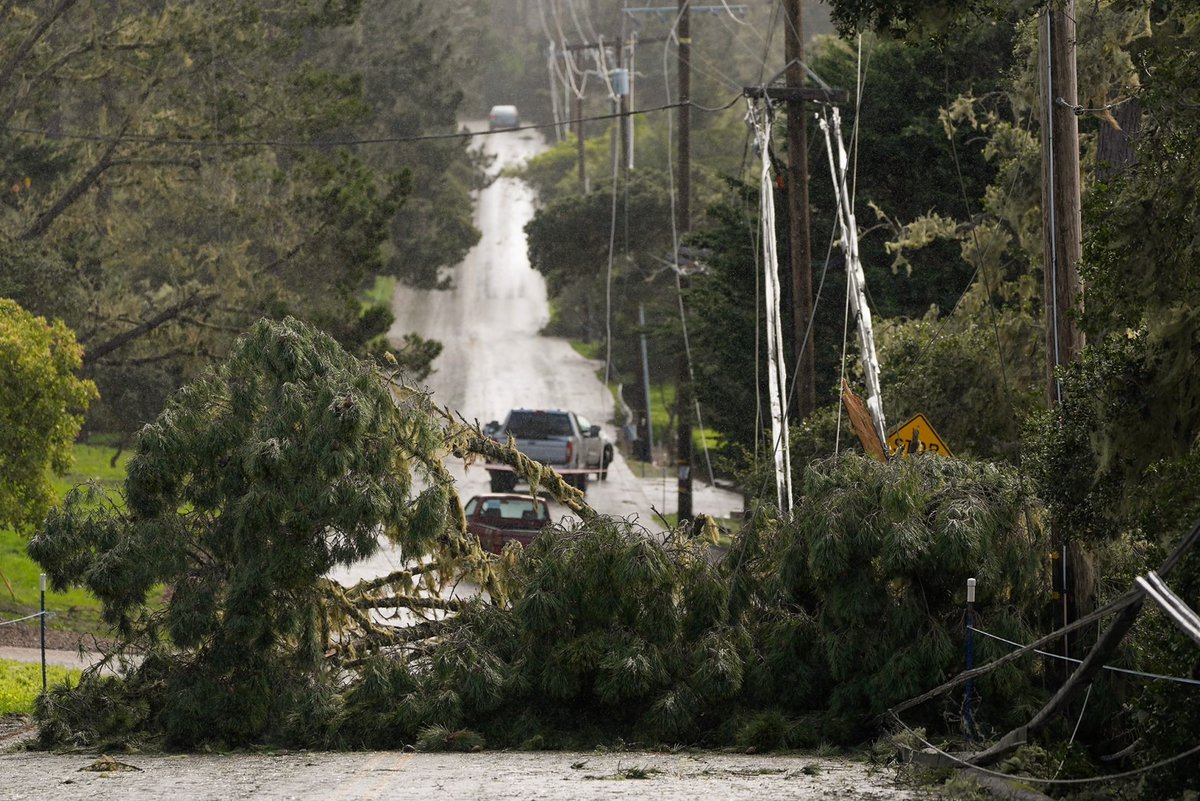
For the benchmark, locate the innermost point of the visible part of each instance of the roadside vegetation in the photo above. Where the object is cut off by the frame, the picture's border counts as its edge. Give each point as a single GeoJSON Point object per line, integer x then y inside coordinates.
{"type": "Point", "coordinates": [595, 632]}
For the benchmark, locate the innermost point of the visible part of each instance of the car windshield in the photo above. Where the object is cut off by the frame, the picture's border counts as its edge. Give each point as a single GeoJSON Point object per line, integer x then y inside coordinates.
{"type": "Point", "coordinates": [515, 508]}
{"type": "Point", "coordinates": [539, 425]}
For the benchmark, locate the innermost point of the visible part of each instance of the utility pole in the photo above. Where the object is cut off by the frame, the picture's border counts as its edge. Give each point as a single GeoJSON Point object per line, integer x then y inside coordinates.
{"type": "Point", "coordinates": [583, 187]}
{"type": "Point", "coordinates": [578, 112]}
{"type": "Point", "coordinates": [1062, 250]}
{"type": "Point", "coordinates": [623, 108]}
{"type": "Point", "coordinates": [684, 402]}
{"type": "Point", "coordinates": [624, 81]}
{"type": "Point", "coordinates": [683, 391]}
{"type": "Point", "coordinates": [799, 236]}
{"type": "Point", "coordinates": [628, 97]}
{"type": "Point", "coordinates": [1060, 190]}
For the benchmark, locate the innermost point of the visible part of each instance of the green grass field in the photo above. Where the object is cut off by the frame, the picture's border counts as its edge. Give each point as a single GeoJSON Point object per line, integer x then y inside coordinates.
{"type": "Point", "coordinates": [21, 683]}
{"type": "Point", "coordinates": [380, 293]}
{"type": "Point", "coordinates": [75, 610]}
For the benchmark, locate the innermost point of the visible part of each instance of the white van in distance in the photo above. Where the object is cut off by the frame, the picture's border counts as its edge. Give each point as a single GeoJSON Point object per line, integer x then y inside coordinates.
{"type": "Point", "coordinates": [503, 117]}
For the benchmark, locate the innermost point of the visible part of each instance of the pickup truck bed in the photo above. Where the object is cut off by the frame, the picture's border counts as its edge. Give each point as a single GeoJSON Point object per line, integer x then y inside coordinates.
{"type": "Point", "coordinates": [553, 437]}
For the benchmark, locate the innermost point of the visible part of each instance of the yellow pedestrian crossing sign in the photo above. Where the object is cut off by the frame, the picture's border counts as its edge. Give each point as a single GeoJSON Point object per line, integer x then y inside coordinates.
{"type": "Point", "coordinates": [917, 436]}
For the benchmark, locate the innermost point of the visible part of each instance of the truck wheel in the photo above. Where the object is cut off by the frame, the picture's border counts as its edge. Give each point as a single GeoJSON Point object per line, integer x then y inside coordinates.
{"type": "Point", "coordinates": [580, 482]}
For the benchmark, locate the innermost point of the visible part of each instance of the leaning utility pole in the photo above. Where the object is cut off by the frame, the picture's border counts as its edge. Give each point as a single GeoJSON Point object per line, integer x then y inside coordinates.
{"type": "Point", "coordinates": [683, 391]}
{"type": "Point", "coordinates": [799, 238]}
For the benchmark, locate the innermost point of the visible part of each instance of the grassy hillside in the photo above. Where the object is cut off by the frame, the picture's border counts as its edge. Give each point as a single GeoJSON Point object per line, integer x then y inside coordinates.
{"type": "Point", "coordinates": [74, 609]}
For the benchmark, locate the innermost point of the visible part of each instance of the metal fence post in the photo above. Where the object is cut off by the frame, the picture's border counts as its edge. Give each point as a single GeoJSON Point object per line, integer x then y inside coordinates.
{"type": "Point", "coordinates": [43, 619]}
{"type": "Point", "coordinates": [968, 715]}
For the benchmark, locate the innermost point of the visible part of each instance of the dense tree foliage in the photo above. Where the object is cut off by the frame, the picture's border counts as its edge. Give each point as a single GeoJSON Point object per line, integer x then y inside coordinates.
{"type": "Point", "coordinates": [609, 632]}
{"type": "Point", "coordinates": [916, 19]}
{"type": "Point", "coordinates": [289, 459]}
{"type": "Point", "coordinates": [175, 174]}
{"type": "Point", "coordinates": [865, 582]}
{"type": "Point", "coordinates": [1119, 459]}
{"type": "Point", "coordinates": [413, 85]}
{"type": "Point", "coordinates": [571, 247]}
{"type": "Point", "coordinates": [908, 163]}
{"type": "Point", "coordinates": [42, 403]}
{"type": "Point", "coordinates": [595, 632]}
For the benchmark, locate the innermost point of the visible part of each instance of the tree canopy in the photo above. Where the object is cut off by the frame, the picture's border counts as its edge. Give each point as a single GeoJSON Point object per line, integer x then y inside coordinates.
{"type": "Point", "coordinates": [289, 459]}
{"type": "Point", "coordinates": [42, 403]}
{"type": "Point", "coordinates": [179, 170]}
{"type": "Point", "coordinates": [293, 457]}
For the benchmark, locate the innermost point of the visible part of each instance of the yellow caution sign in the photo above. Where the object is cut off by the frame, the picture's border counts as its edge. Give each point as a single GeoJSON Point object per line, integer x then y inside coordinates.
{"type": "Point", "coordinates": [917, 436]}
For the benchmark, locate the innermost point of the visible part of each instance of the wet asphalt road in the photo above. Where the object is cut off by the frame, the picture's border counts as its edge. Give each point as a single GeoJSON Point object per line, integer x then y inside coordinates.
{"type": "Point", "coordinates": [496, 776]}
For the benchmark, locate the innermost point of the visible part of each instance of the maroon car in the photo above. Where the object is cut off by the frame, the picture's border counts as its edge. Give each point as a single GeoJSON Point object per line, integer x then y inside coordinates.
{"type": "Point", "coordinates": [497, 518]}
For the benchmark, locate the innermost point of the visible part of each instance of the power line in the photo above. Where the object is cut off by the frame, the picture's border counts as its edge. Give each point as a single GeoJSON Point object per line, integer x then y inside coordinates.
{"type": "Point", "coordinates": [1034, 779]}
{"type": "Point", "coordinates": [381, 140]}
{"type": "Point", "coordinates": [1073, 660]}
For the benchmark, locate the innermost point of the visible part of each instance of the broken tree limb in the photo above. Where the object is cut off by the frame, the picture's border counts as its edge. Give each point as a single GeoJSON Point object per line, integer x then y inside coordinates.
{"type": "Point", "coordinates": [1129, 598]}
{"type": "Point", "coordinates": [1117, 605]}
{"type": "Point", "coordinates": [194, 300]}
{"type": "Point", "coordinates": [409, 602]}
{"type": "Point", "coordinates": [365, 586]}
{"type": "Point", "coordinates": [1086, 670]}
{"type": "Point", "coordinates": [382, 637]}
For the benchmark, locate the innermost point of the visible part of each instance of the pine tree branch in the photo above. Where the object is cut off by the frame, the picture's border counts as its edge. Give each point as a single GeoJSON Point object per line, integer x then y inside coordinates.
{"type": "Point", "coordinates": [381, 637]}
{"type": "Point", "coordinates": [177, 353]}
{"type": "Point", "coordinates": [68, 198]}
{"type": "Point", "coordinates": [338, 595]}
{"type": "Point", "coordinates": [196, 300]}
{"type": "Point", "coordinates": [88, 180]}
{"type": "Point", "coordinates": [274, 267]}
{"type": "Point", "coordinates": [468, 439]}
{"type": "Point", "coordinates": [193, 164]}
{"type": "Point", "coordinates": [23, 49]}
{"type": "Point", "coordinates": [409, 602]}
{"type": "Point", "coordinates": [363, 587]}
{"type": "Point", "coordinates": [40, 78]}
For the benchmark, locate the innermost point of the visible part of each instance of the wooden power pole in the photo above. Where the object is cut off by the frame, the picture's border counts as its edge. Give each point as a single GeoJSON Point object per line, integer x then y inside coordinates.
{"type": "Point", "coordinates": [579, 141]}
{"type": "Point", "coordinates": [799, 237]}
{"type": "Point", "coordinates": [1060, 189]}
{"type": "Point", "coordinates": [1062, 234]}
{"type": "Point", "coordinates": [683, 392]}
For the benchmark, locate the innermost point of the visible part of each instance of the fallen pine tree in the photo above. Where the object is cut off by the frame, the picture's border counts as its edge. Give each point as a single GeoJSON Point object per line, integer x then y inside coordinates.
{"type": "Point", "coordinates": [292, 458]}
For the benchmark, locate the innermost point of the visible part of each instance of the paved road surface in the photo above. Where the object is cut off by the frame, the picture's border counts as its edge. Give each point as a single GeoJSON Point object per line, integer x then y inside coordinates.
{"type": "Point", "coordinates": [496, 776]}
{"type": "Point", "coordinates": [494, 358]}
